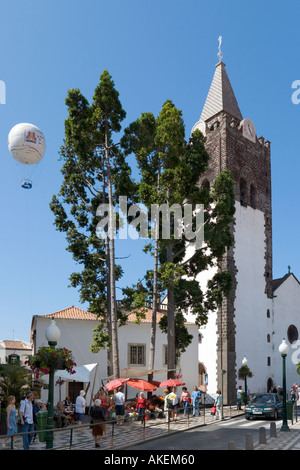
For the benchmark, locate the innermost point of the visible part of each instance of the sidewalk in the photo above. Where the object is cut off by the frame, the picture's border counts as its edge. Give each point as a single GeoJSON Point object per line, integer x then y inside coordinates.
{"type": "Point", "coordinates": [285, 440]}
{"type": "Point", "coordinates": [122, 437]}
{"type": "Point", "coordinates": [132, 433]}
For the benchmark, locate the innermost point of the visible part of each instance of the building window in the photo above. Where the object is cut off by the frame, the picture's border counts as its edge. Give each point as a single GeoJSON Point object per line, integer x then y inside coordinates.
{"type": "Point", "coordinates": [13, 359]}
{"type": "Point", "coordinates": [165, 357]}
{"type": "Point", "coordinates": [268, 338]}
{"type": "Point", "coordinates": [137, 354]}
{"type": "Point", "coordinates": [268, 313]}
{"type": "Point", "coordinates": [292, 333]}
{"type": "Point", "coordinates": [268, 361]}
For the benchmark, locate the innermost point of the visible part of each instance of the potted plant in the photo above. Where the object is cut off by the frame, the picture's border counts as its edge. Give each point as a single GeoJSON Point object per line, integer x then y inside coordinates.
{"type": "Point", "coordinates": [48, 359]}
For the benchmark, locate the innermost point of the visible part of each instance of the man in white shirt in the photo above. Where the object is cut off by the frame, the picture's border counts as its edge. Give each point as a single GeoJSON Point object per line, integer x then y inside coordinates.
{"type": "Point", "coordinates": [175, 404]}
{"type": "Point", "coordinates": [80, 406]}
{"type": "Point", "coordinates": [120, 406]}
{"type": "Point", "coordinates": [26, 418]}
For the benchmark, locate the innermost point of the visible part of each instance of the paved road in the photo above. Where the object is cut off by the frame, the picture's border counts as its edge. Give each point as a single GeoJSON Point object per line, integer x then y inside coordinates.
{"type": "Point", "coordinates": [246, 435]}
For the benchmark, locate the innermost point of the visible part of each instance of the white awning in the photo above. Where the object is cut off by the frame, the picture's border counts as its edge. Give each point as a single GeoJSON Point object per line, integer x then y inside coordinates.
{"type": "Point", "coordinates": [82, 373]}
{"type": "Point", "coordinates": [131, 372]}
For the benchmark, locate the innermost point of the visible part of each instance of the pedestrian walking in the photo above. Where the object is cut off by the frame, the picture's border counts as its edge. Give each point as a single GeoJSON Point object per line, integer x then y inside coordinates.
{"type": "Point", "coordinates": [26, 419]}
{"type": "Point", "coordinates": [80, 405]}
{"type": "Point", "coordinates": [120, 406]}
{"type": "Point", "coordinates": [141, 405]}
{"type": "Point", "coordinates": [167, 404]}
{"type": "Point", "coordinates": [11, 421]}
{"type": "Point", "coordinates": [185, 400]}
{"type": "Point", "coordinates": [175, 404]}
{"type": "Point", "coordinates": [196, 396]}
{"type": "Point", "coordinates": [239, 395]}
{"type": "Point", "coordinates": [98, 421]}
{"type": "Point", "coordinates": [218, 404]}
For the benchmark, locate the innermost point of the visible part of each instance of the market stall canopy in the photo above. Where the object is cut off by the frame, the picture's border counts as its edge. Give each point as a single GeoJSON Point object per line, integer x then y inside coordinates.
{"type": "Point", "coordinates": [141, 384]}
{"type": "Point", "coordinates": [171, 383]}
{"type": "Point", "coordinates": [82, 373]}
{"type": "Point", "coordinates": [131, 372]}
{"type": "Point", "coordinates": [114, 384]}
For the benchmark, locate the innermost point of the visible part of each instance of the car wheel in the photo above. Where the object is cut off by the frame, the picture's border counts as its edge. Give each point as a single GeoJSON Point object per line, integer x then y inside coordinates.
{"type": "Point", "coordinates": [275, 414]}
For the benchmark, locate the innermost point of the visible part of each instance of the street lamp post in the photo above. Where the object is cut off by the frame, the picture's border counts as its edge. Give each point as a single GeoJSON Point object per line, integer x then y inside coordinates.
{"type": "Point", "coordinates": [223, 371]}
{"type": "Point", "coordinates": [52, 334]}
{"type": "Point", "coordinates": [284, 349]}
{"type": "Point", "coordinates": [245, 362]}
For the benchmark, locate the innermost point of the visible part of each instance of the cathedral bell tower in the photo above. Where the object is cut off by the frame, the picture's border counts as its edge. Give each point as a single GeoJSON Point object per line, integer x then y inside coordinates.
{"type": "Point", "coordinates": [232, 144]}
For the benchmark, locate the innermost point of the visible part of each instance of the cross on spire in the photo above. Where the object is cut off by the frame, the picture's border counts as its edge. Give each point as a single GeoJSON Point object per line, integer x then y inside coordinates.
{"type": "Point", "coordinates": [220, 54]}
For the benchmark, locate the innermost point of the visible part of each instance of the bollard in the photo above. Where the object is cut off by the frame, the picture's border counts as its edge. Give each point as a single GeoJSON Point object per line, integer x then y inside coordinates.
{"type": "Point", "coordinates": [231, 445]}
{"type": "Point", "coordinates": [249, 442]}
{"type": "Point", "coordinates": [262, 436]}
{"type": "Point", "coordinates": [273, 430]}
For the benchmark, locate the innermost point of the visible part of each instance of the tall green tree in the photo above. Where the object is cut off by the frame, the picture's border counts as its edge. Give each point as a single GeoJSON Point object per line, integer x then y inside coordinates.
{"type": "Point", "coordinates": [94, 174]}
{"type": "Point", "coordinates": [170, 170]}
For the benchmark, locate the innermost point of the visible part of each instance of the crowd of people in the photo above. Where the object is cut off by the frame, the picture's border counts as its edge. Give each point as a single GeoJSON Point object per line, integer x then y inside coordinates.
{"type": "Point", "coordinates": [101, 406]}
{"type": "Point", "coordinates": [65, 413]}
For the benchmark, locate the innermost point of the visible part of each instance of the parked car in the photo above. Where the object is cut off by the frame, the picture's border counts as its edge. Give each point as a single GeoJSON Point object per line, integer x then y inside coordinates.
{"type": "Point", "coordinates": [264, 405]}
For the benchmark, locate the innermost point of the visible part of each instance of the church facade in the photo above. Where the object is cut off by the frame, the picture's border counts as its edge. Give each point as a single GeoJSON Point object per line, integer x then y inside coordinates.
{"type": "Point", "coordinates": [259, 312]}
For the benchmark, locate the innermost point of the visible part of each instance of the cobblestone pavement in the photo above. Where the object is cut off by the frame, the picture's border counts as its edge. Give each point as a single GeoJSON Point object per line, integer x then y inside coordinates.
{"type": "Point", "coordinates": [133, 432]}
{"type": "Point", "coordinates": [120, 437]}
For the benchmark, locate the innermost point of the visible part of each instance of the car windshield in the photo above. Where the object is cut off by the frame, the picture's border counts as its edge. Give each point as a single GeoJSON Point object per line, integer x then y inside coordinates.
{"type": "Point", "coordinates": [265, 398]}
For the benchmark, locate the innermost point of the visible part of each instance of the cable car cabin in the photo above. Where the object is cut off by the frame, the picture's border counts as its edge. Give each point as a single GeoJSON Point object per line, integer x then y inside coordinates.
{"type": "Point", "coordinates": [26, 184]}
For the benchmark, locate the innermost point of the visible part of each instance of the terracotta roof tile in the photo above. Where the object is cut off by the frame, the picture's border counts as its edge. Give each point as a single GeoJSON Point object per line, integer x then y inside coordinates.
{"type": "Point", "coordinates": [8, 344]}
{"type": "Point", "coordinates": [147, 314]}
{"type": "Point", "coordinates": [71, 313]}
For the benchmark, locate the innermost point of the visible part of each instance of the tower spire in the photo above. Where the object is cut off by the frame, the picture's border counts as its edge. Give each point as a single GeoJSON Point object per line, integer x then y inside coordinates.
{"type": "Point", "coordinates": [221, 96]}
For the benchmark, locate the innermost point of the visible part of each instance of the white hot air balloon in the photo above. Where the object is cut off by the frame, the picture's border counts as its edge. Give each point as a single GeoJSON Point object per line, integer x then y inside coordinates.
{"type": "Point", "coordinates": [27, 145]}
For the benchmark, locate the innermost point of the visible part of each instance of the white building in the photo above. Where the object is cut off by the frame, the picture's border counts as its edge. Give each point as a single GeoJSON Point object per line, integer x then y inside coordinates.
{"type": "Point", "coordinates": [76, 330]}
{"type": "Point", "coordinates": [13, 351]}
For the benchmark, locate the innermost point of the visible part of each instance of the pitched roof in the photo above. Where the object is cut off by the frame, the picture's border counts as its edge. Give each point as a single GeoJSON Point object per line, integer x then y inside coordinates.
{"type": "Point", "coordinates": [220, 96]}
{"type": "Point", "coordinates": [71, 313]}
{"type": "Point", "coordinates": [75, 313]}
{"type": "Point", "coordinates": [277, 282]}
{"type": "Point", "coordinates": [9, 344]}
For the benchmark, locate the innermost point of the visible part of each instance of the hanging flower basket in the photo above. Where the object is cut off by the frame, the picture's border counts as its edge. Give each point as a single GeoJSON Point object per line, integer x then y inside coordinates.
{"type": "Point", "coordinates": [48, 359]}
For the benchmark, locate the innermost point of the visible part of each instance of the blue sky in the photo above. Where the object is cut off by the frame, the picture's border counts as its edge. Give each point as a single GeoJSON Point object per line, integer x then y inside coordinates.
{"type": "Point", "coordinates": [154, 51]}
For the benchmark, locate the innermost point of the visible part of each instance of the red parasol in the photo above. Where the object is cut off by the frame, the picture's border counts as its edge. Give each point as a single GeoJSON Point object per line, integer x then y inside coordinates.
{"type": "Point", "coordinates": [141, 384]}
{"type": "Point", "coordinates": [115, 383]}
{"type": "Point", "coordinates": [171, 383]}
{"type": "Point", "coordinates": [157, 384]}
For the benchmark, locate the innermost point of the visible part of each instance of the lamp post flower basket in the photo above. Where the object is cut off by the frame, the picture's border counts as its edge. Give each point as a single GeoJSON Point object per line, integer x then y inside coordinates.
{"type": "Point", "coordinates": [48, 360]}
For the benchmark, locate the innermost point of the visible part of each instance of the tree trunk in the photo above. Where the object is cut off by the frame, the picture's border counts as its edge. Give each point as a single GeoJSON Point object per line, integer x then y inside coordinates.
{"type": "Point", "coordinates": [112, 283]}
{"type": "Point", "coordinates": [171, 319]}
{"type": "Point", "coordinates": [154, 308]}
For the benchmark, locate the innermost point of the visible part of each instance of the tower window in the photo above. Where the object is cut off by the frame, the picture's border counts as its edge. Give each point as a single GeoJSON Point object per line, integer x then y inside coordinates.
{"type": "Point", "coordinates": [243, 192]}
{"type": "Point", "coordinates": [292, 333]}
{"type": "Point", "coordinates": [253, 196]}
{"type": "Point", "coordinates": [205, 184]}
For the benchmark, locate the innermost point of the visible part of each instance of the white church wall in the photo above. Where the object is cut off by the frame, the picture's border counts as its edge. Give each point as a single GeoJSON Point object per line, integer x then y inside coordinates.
{"type": "Point", "coordinates": [251, 302]}
{"type": "Point", "coordinates": [286, 311]}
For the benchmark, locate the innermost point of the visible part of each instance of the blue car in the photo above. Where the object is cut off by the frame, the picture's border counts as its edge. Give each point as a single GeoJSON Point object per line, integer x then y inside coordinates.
{"type": "Point", "coordinates": [264, 405]}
